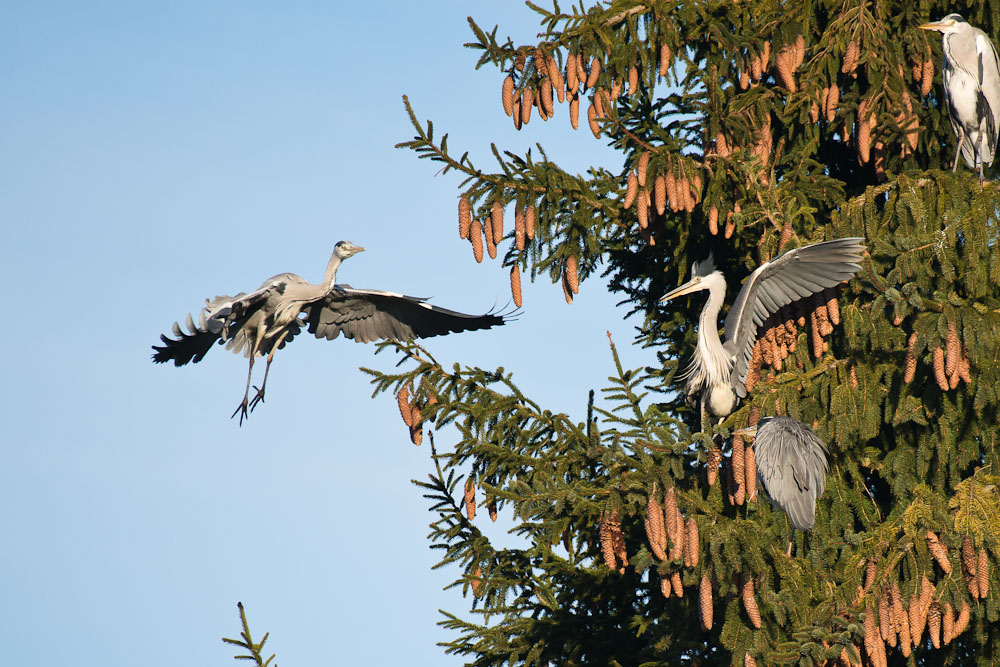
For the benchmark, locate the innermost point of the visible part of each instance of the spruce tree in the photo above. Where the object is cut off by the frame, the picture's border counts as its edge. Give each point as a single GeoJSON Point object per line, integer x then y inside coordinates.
{"type": "Point", "coordinates": [746, 128]}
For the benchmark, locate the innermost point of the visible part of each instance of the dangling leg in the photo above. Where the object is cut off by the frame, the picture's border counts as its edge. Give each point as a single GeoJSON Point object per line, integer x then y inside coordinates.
{"type": "Point", "coordinates": [242, 407]}
{"type": "Point", "coordinates": [958, 152]}
{"type": "Point", "coordinates": [259, 398]}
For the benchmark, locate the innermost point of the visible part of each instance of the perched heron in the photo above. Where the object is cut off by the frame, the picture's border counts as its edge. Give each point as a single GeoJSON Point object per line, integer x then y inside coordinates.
{"type": "Point", "coordinates": [263, 321]}
{"type": "Point", "coordinates": [971, 89]}
{"type": "Point", "coordinates": [718, 371]}
{"type": "Point", "coordinates": [792, 466]}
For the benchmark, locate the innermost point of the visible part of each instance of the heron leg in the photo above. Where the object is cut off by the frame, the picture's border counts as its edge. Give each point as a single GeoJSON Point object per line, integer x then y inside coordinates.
{"type": "Point", "coordinates": [958, 151]}
{"type": "Point", "coordinates": [259, 398]}
{"type": "Point", "coordinates": [242, 407]}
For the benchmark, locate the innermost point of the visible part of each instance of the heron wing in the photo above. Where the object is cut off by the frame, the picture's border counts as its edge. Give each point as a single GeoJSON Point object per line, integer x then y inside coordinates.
{"type": "Point", "coordinates": [792, 466]}
{"type": "Point", "coordinates": [792, 276]}
{"type": "Point", "coordinates": [192, 345]}
{"type": "Point", "coordinates": [989, 85]}
{"type": "Point", "coordinates": [367, 315]}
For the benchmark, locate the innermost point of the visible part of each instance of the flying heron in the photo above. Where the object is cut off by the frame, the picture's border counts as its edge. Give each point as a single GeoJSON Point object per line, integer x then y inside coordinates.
{"type": "Point", "coordinates": [971, 89]}
{"type": "Point", "coordinates": [718, 371]}
{"type": "Point", "coordinates": [792, 466]}
{"type": "Point", "coordinates": [263, 321]}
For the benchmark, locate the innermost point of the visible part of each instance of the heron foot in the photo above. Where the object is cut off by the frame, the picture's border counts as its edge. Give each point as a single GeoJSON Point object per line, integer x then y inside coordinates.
{"type": "Point", "coordinates": [242, 410]}
{"type": "Point", "coordinates": [259, 398]}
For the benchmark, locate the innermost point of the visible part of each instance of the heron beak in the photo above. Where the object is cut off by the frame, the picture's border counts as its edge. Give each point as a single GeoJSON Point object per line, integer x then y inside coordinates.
{"type": "Point", "coordinates": [358, 249]}
{"type": "Point", "coordinates": [934, 25]}
{"type": "Point", "coordinates": [686, 288]}
{"type": "Point", "coordinates": [749, 430]}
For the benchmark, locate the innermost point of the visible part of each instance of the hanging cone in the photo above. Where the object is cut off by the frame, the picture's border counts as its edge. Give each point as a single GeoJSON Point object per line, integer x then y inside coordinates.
{"type": "Point", "coordinates": [750, 603]}
{"type": "Point", "coordinates": [714, 459]}
{"type": "Point", "coordinates": [983, 573]}
{"type": "Point", "coordinates": [631, 189]}
{"type": "Point", "coordinates": [656, 532]}
{"type": "Point", "coordinates": [595, 73]}
{"type": "Point", "coordinates": [470, 498]}
{"type": "Point", "coordinates": [750, 473]}
{"type": "Point", "coordinates": [939, 373]}
{"type": "Point", "coordinates": [515, 285]}
{"type": "Point", "coordinates": [476, 234]}
{"type": "Point", "coordinates": [705, 602]}
{"type": "Point", "coordinates": [574, 111]}
{"type": "Point", "coordinates": [464, 217]}
{"type": "Point", "coordinates": [911, 359]}
{"type": "Point", "coordinates": [939, 551]}
{"type": "Point", "coordinates": [664, 59]}
{"type": "Point", "coordinates": [507, 95]}
{"type": "Point", "coordinates": [692, 544]}
{"type": "Point", "coordinates": [934, 624]}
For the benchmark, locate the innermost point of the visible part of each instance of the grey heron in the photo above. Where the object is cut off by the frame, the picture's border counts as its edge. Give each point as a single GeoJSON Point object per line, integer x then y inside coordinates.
{"type": "Point", "coordinates": [717, 372]}
{"type": "Point", "coordinates": [971, 76]}
{"type": "Point", "coordinates": [264, 320]}
{"type": "Point", "coordinates": [792, 466]}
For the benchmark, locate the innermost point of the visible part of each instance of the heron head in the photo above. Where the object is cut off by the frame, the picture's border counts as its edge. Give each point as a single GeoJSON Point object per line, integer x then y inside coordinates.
{"type": "Point", "coordinates": [345, 249]}
{"type": "Point", "coordinates": [949, 24]}
{"type": "Point", "coordinates": [703, 276]}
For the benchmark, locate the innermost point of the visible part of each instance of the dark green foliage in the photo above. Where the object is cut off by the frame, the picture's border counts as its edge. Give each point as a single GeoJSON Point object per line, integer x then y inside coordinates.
{"type": "Point", "coordinates": [906, 457]}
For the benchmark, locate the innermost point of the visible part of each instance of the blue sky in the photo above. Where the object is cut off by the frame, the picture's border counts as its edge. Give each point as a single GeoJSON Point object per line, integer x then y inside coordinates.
{"type": "Point", "coordinates": [155, 154]}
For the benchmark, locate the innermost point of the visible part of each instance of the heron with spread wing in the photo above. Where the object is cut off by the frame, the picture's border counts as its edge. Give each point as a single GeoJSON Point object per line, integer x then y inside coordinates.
{"type": "Point", "coordinates": [265, 320]}
{"type": "Point", "coordinates": [718, 371]}
{"type": "Point", "coordinates": [971, 75]}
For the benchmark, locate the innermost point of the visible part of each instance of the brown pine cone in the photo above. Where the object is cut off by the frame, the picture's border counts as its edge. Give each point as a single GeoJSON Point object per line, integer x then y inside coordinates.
{"type": "Point", "coordinates": [911, 359]}
{"type": "Point", "coordinates": [581, 72]}
{"type": "Point", "coordinates": [814, 112]}
{"type": "Point", "coordinates": [864, 141]}
{"type": "Point", "coordinates": [546, 108]}
{"type": "Point", "coordinates": [800, 51]}
{"type": "Point", "coordinates": [477, 581]}
{"type": "Point", "coordinates": [655, 530]}
{"type": "Point", "coordinates": [962, 623]}
{"type": "Point", "coordinates": [607, 540]}
{"type": "Point", "coordinates": [517, 110]}
{"type": "Point", "coordinates": [491, 246]}
{"type": "Point", "coordinates": [934, 623]}
{"type": "Point", "coordinates": [705, 600]}
{"type": "Point", "coordinates": [595, 72]}
{"type": "Point", "coordinates": [721, 145]}
{"type": "Point", "coordinates": [927, 77]}
{"type": "Point", "coordinates": [831, 104]}
{"type": "Point", "coordinates": [660, 193]}
{"type": "Point", "coordinates": [744, 79]}
{"type": "Point", "coordinates": [529, 221]}
{"type": "Point", "coordinates": [885, 617]}
{"type": "Point", "coordinates": [470, 498]}
{"type": "Point", "coordinates": [833, 307]}
{"type": "Point", "coordinates": [714, 459]}
{"type": "Point", "coordinates": [750, 472]}
{"type": "Point", "coordinates": [739, 466]}
{"type": "Point", "coordinates": [515, 285]}
{"type": "Point", "coordinates": [853, 377]}
{"type": "Point", "coordinates": [572, 81]}
{"type": "Point", "coordinates": [595, 127]}
{"type": "Point", "coordinates": [665, 586]}
{"type": "Point", "coordinates": [983, 573]}
{"type": "Point", "coordinates": [692, 545]}
{"type": "Point", "coordinates": [633, 81]}
{"type": "Point", "coordinates": [507, 95]}
{"type": "Point", "coordinates": [750, 603]}
{"type": "Point", "coordinates": [527, 101]}
{"type": "Point", "coordinates": [817, 337]}
{"type": "Point", "coordinates": [556, 77]}
{"type": "Point", "coordinates": [643, 209]}
{"type": "Point", "coordinates": [631, 189]}
{"type": "Point", "coordinates": [464, 217]}
{"type": "Point", "coordinates": [675, 582]}
{"type": "Point", "coordinates": [756, 68]}
{"type": "Point", "coordinates": [572, 280]}
{"type": "Point", "coordinates": [616, 91]}
{"type": "Point", "coordinates": [948, 623]}
{"type": "Point", "coordinates": [713, 220]}
{"type": "Point", "coordinates": [786, 71]}
{"type": "Point", "coordinates": [677, 548]}
{"type": "Point", "coordinates": [664, 59]}
{"type": "Point", "coordinates": [748, 660]}
{"type": "Point", "coordinates": [850, 58]}
{"type": "Point", "coordinates": [496, 219]}
{"type": "Point", "coordinates": [643, 168]}
{"type": "Point", "coordinates": [519, 231]}
{"type": "Point", "coordinates": [753, 372]}
{"type": "Point", "coordinates": [765, 55]}
{"type": "Point", "coordinates": [916, 621]}
{"type": "Point", "coordinates": [871, 569]}
{"type": "Point", "coordinates": [939, 374]}
{"type": "Point", "coordinates": [672, 196]}
{"type": "Point", "coordinates": [574, 111]}
{"type": "Point", "coordinates": [476, 234]}
{"type": "Point", "coordinates": [670, 514]}
{"type": "Point", "coordinates": [871, 632]}
{"type": "Point", "coordinates": [403, 402]}
{"type": "Point", "coordinates": [964, 367]}
{"type": "Point", "coordinates": [567, 292]}
{"type": "Point", "coordinates": [901, 620]}
{"type": "Point", "coordinates": [939, 551]}
{"type": "Point", "coordinates": [952, 350]}
{"type": "Point", "coordinates": [492, 507]}
{"type": "Point", "coordinates": [969, 563]}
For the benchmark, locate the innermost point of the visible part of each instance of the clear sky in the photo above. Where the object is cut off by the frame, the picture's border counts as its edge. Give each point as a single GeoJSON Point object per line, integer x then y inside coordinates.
{"type": "Point", "coordinates": [154, 154]}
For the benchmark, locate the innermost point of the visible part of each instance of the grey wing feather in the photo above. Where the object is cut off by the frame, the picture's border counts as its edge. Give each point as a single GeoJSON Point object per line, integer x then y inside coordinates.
{"type": "Point", "coordinates": [192, 345]}
{"type": "Point", "coordinates": [792, 276]}
{"type": "Point", "coordinates": [369, 315]}
{"type": "Point", "coordinates": [989, 84]}
{"type": "Point", "coordinates": [792, 466]}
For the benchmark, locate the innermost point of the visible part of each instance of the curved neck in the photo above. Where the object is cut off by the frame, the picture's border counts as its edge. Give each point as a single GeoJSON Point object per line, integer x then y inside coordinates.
{"type": "Point", "coordinates": [708, 323]}
{"type": "Point", "coordinates": [330, 277]}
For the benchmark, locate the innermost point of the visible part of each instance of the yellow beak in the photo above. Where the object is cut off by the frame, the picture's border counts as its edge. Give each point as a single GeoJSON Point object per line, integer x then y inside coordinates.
{"type": "Point", "coordinates": [934, 25]}
{"type": "Point", "coordinates": [686, 288]}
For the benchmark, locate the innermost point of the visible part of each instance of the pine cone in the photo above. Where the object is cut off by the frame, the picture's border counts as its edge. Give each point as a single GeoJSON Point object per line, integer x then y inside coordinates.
{"type": "Point", "coordinates": [850, 58]}
{"type": "Point", "coordinates": [705, 600]}
{"type": "Point", "coordinates": [964, 367]}
{"type": "Point", "coordinates": [871, 634]}
{"type": "Point", "coordinates": [748, 660]}
{"type": "Point", "coordinates": [853, 377]}
{"type": "Point", "coordinates": [633, 81]}
{"type": "Point", "coordinates": [507, 95]}
{"type": "Point", "coordinates": [581, 72]}
{"type": "Point", "coordinates": [664, 59]}
{"type": "Point", "coordinates": [607, 540]}
{"type": "Point", "coordinates": [864, 141]}
{"type": "Point", "coordinates": [814, 113]}
{"type": "Point", "coordinates": [643, 209]}
{"type": "Point", "coordinates": [519, 227]}
{"type": "Point", "coordinates": [567, 292]}
{"type": "Point", "coordinates": [934, 624]}
{"type": "Point", "coordinates": [492, 507]}
{"type": "Point", "coordinates": [739, 464]}
{"type": "Point", "coordinates": [750, 604]}
{"type": "Point", "coordinates": [939, 374]}
{"type": "Point", "coordinates": [750, 472]}
{"type": "Point", "coordinates": [643, 168]}
{"type": "Point", "coordinates": [556, 77]}
{"type": "Point", "coordinates": [672, 196]}
{"type": "Point", "coordinates": [491, 246]}
{"type": "Point", "coordinates": [665, 586]}
{"type": "Point", "coordinates": [911, 359]}
{"type": "Point", "coordinates": [655, 529]}
{"type": "Point", "coordinates": [962, 624]}
{"type": "Point", "coordinates": [616, 90]}
{"type": "Point", "coordinates": [416, 434]}
{"type": "Point", "coordinates": [470, 498]}
{"type": "Point", "coordinates": [516, 113]}
{"type": "Point", "coordinates": [529, 221]}
{"type": "Point", "coordinates": [721, 145]}
{"type": "Point", "coordinates": [677, 548]}
{"type": "Point", "coordinates": [714, 459]}
{"type": "Point", "coordinates": [547, 108]}
{"type": "Point", "coordinates": [670, 514]}
{"type": "Point", "coordinates": [660, 193]}
{"type": "Point", "coordinates": [817, 337]}
{"type": "Point", "coordinates": [515, 285]}
{"type": "Point", "coordinates": [952, 349]}
{"type": "Point", "coordinates": [713, 220]}
{"type": "Point", "coordinates": [831, 104]}
{"type": "Point", "coordinates": [939, 551]}
{"type": "Point", "coordinates": [833, 307]}
{"type": "Point", "coordinates": [901, 624]}
{"type": "Point", "coordinates": [595, 72]}
{"type": "Point", "coordinates": [631, 190]}
{"type": "Point", "coordinates": [572, 81]}
{"type": "Point", "coordinates": [927, 77]}
{"type": "Point", "coordinates": [753, 372]}
{"type": "Point", "coordinates": [800, 51]}
{"type": "Point", "coordinates": [969, 563]}
{"type": "Point", "coordinates": [477, 581]}
{"type": "Point", "coordinates": [595, 127]}
{"type": "Point", "coordinates": [784, 61]}
{"type": "Point", "coordinates": [527, 101]}
{"type": "Point", "coordinates": [574, 111]}
{"type": "Point", "coordinates": [692, 546]}
{"type": "Point", "coordinates": [948, 623]}
{"type": "Point", "coordinates": [871, 569]}
{"type": "Point", "coordinates": [496, 219]}
{"type": "Point", "coordinates": [983, 573]}
{"type": "Point", "coordinates": [476, 236]}
{"type": "Point", "coordinates": [403, 401]}
{"type": "Point", "coordinates": [744, 79]}
{"type": "Point", "coordinates": [786, 236]}
{"type": "Point", "coordinates": [756, 68]}
{"type": "Point", "coordinates": [885, 617]}
{"type": "Point", "coordinates": [915, 620]}
{"type": "Point", "coordinates": [464, 217]}
{"type": "Point", "coordinates": [675, 582]}
{"type": "Point", "coordinates": [572, 280]}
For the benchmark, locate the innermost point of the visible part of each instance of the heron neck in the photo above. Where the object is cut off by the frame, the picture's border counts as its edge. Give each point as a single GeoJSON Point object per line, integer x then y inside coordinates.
{"type": "Point", "coordinates": [709, 322]}
{"type": "Point", "coordinates": [330, 278]}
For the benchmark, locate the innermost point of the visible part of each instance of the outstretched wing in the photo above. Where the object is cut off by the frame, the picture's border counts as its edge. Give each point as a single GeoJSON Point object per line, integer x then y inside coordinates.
{"type": "Point", "coordinates": [792, 465]}
{"type": "Point", "coordinates": [792, 276]}
{"type": "Point", "coordinates": [368, 315]}
{"type": "Point", "coordinates": [193, 344]}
